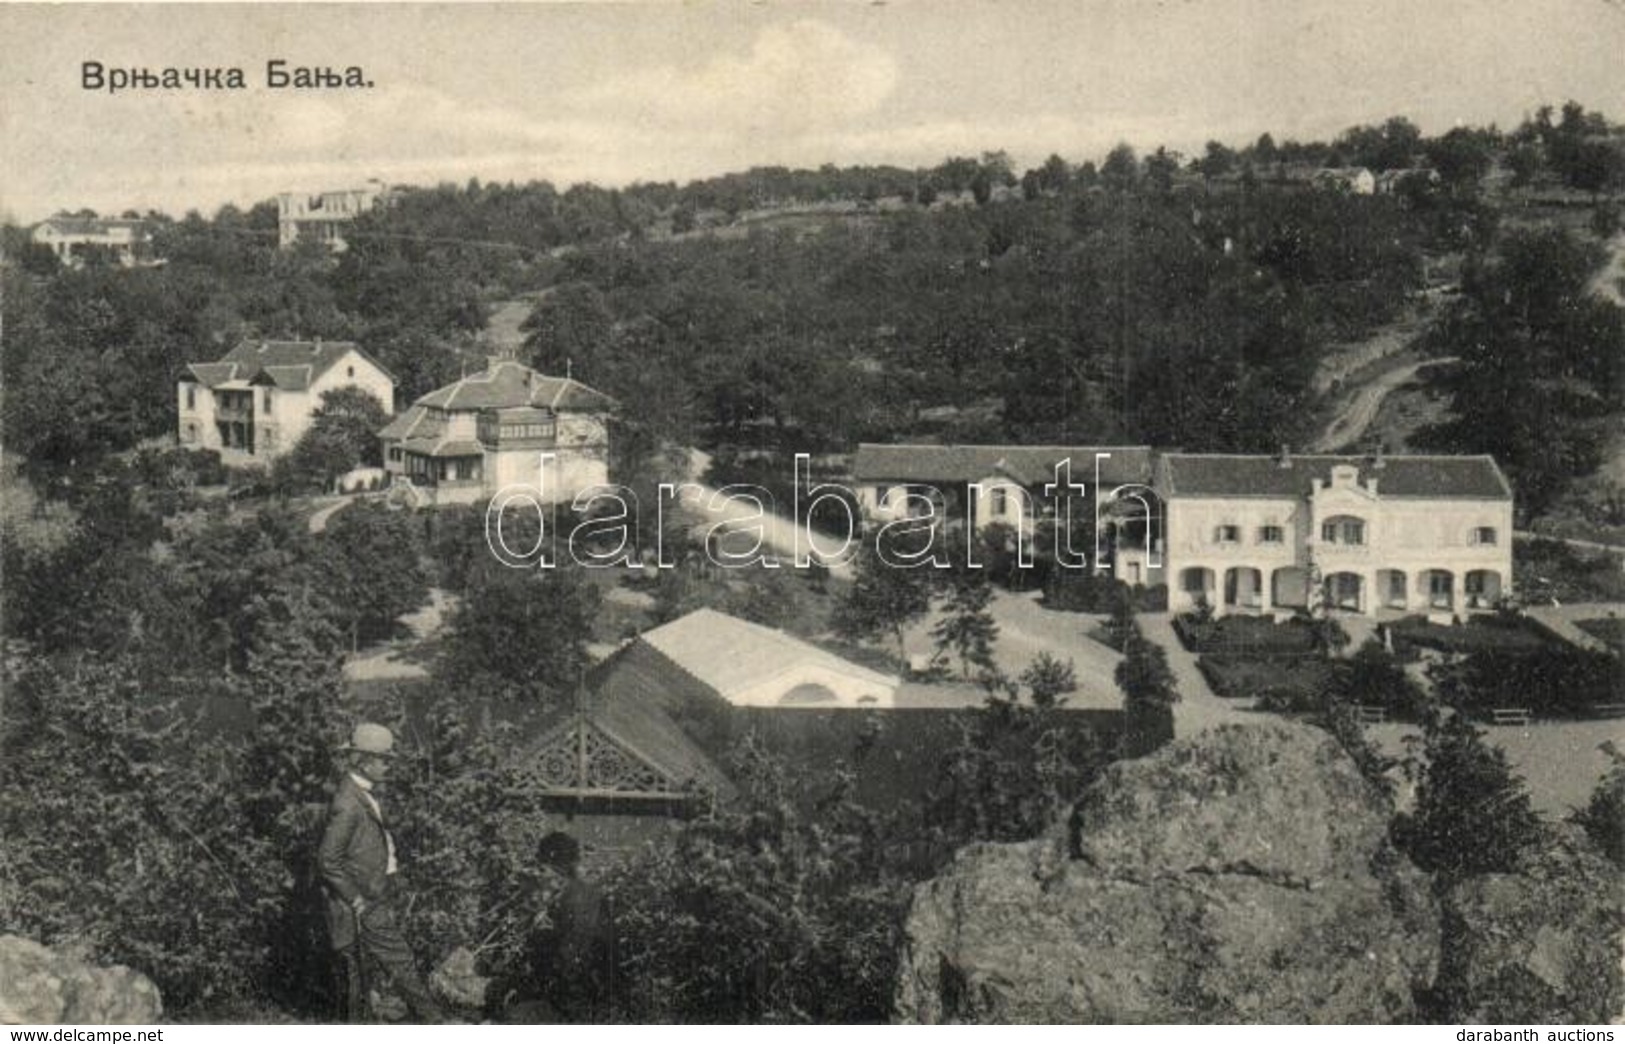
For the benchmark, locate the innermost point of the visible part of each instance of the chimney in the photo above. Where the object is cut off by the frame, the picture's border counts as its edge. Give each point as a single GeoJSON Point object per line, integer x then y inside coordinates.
{"type": "Point", "coordinates": [1285, 459]}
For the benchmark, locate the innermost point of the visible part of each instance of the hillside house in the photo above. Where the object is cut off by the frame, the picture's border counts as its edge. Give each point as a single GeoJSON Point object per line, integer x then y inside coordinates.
{"type": "Point", "coordinates": [501, 428]}
{"type": "Point", "coordinates": [985, 485]}
{"type": "Point", "coordinates": [73, 239]}
{"type": "Point", "coordinates": [258, 399]}
{"type": "Point", "coordinates": [323, 216]}
{"type": "Point", "coordinates": [1361, 534]}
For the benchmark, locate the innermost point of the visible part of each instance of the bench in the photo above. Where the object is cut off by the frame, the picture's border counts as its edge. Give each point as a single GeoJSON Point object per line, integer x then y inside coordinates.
{"type": "Point", "coordinates": [1608, 710]}
{"type": "Point", "coordinates": [1509, 716]}
{"type": "Point", "coordinates": [1370, 713]}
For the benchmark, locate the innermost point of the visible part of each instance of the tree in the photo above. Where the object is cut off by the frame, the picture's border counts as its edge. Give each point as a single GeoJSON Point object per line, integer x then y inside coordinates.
{"type": "Point", "coordinates": [1048, 680]}
{"type": "Point", "coordinates": [525, 630]}
{"type": "Point", "coordinates": [376, 557]}
{"type": "Point", "coordinates": [1604, 815]}
{"type": "Point", "coordinates": [1019, 764]}
{"type": "Point", "coordinates": [1472, 814]}
{"type": "Point", "coordinates": [1149, 695]}
{"type": "Point", "coordinates": [1160, 168]}
{"type": "Point", "coordinates": [1216, 161]}
{"type": "Point", "coordinates": [1121, 169]}
{"type": "Point", "coordinates": [1462, 158]}
{"type": "Point", "coordinates": [1373, 675]}
{"type": "Point", "coordinates": [343, 435]}
{"type": "Point", "coordinates": [967, 627]}
{"type": "Point", "coordinates": [883, 599]}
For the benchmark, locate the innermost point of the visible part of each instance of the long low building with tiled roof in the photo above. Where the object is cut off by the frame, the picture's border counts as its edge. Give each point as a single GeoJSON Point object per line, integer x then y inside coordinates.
{"type": "Point", "coordinates": [985, 484]}
{"type": "Point", "coordinates": [258, 399]}
{"type": "Point", "coordinates": [1365, 534]}
{"type": "Point", "coordinates": [507, 426]}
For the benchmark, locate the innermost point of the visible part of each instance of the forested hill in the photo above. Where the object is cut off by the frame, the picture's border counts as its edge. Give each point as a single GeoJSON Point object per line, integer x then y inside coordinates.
{"type": "Point", "coordinates": [1161, 299]}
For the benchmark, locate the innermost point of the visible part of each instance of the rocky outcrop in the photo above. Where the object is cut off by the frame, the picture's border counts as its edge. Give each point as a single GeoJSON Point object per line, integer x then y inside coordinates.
{"type": "Point", "coordinates": [1540, 946]}
{"type": "Point", "coordinates": [39, 986]}
{"type": "Point", "coordinates": [1241, 875]}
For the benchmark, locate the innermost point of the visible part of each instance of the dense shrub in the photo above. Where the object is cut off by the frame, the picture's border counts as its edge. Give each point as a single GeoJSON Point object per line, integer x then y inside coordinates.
{"type": "Point", "coordinates": [1550, 681]}
{"type": "Point", "coordinates": [1246, 635]}
{"type": "Point", "coordinates": [762, 912]}
{"type": "Point", "coordinates": [1472, 815]}
{"type": "Point", "coordinates": [1477, 634]}
{"type": "Point", "coordinates": [1293, 680]}
{"type": "Point", "coordinates": [1604, 815]}
{"type": "Point", "coordinates": [1081, 591]}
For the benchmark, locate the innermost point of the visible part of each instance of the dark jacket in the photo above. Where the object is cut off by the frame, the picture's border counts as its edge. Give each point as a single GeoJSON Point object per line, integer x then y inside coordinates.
{"type": "Point", "coordinates": [353, 860]}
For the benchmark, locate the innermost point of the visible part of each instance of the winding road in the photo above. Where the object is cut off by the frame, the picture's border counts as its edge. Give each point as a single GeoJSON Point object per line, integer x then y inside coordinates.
{"type": "Point", "coordinates": [1355, 416]}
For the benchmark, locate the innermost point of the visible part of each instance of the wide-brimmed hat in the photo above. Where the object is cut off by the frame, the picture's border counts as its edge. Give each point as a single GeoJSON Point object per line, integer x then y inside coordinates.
{"type": "Point", "coordinates": [368, 738]}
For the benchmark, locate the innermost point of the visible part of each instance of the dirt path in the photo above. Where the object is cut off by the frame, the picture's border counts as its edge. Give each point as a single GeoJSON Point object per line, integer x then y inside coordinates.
{"type": "Point", "coordinates": [1354, 416]}
{"type": "Point", "coordinates": [319, 520]}
{"type": "Point", "coordinates": [1343, 361]}
{"type": "Point", "coordinates": [502, 328]}
{"type": "Point", "coordinates": [1610, 281]}
{"type": "Point", "coordinates": [1199, 707]}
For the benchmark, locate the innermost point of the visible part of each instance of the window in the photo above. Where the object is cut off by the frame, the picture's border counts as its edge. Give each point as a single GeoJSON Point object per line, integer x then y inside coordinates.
{"type": "Point", "coordinates": [1001, 501]}
{"type": "Point", "coordinates": [395, 453]}
{"type": "Point", "coordinates": [265, 402]}
{"type": "Point", "coordinates": [1343, 531]}
{"type": "Point", "coordinates": [1227, 534]}
{"type": "Point", "coordinates": [1270, 535]}
{"type": "Point", "coordinates": [191, 397]}
{"type": "Point", "coordinates": [349, 371]}
{"type": "Point", "coordinates": [1483, 535]}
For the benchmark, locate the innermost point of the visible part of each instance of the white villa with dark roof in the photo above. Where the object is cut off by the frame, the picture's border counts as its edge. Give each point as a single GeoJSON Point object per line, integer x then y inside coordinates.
{"type": "Point", "coordinates": [71, 239]}
{"type": "Point", "coordinates": [508, 426]}
{"type": "Point", "coordinates": [258, 399]}
{"type": "Point", "coordinates": [1402, 533]}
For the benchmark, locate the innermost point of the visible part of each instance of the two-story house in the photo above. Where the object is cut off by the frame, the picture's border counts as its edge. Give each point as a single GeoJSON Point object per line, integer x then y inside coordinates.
{"type": "Point", "coordinates": [323, 217]}
{"type": "Point", "coordinates": [1362, 534]}
{"type": "Point", "coordinates": [508, 426]}
{"type": "Point", "coordinates": [258, 399]}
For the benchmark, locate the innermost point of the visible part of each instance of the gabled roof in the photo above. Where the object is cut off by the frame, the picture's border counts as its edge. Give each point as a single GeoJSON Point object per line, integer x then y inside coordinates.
{"type": "Point", "coordinates": [731, 656]}
{"type": "Point", "coordinates": [1030, 465]}
{"type": "Point", "coordinates": [648, 755]}
{"type": "Point", "coordinates": [415, 422]}
{"type": "Point", "coordinates": [507, 383]}
{"type": "Point", "coordinates": [212, 375]}
{"type": "Point", "coordinates": [1263, 475]}
{"type": "Point", "coordinates": [289, 365]}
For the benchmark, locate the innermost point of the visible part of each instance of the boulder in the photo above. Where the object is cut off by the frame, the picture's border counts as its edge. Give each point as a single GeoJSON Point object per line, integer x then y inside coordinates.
{"type": "Point", "coordinates": [1539, 946]}
{"type": "Point", "coordinates": [1243, 875]}
{"type": "Point", "coordinates": [39, 986]}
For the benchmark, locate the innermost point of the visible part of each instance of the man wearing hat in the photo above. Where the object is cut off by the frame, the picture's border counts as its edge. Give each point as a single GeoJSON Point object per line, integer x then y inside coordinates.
{"type": "Point", "coordinates": [357, 863]}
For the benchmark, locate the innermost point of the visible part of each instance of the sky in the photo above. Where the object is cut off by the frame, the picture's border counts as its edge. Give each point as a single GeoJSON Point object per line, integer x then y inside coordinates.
{"type": "Point", "coordinates": [617, 92]}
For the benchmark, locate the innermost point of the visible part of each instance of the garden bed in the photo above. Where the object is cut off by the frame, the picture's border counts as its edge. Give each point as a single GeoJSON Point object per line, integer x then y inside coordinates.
{"type": "Point", "coordinates": [1240, 677]}
{"type": "Point", "coordinates": [1478, 634]}
{"type": "Point", "coordinates": [1245, 635]}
